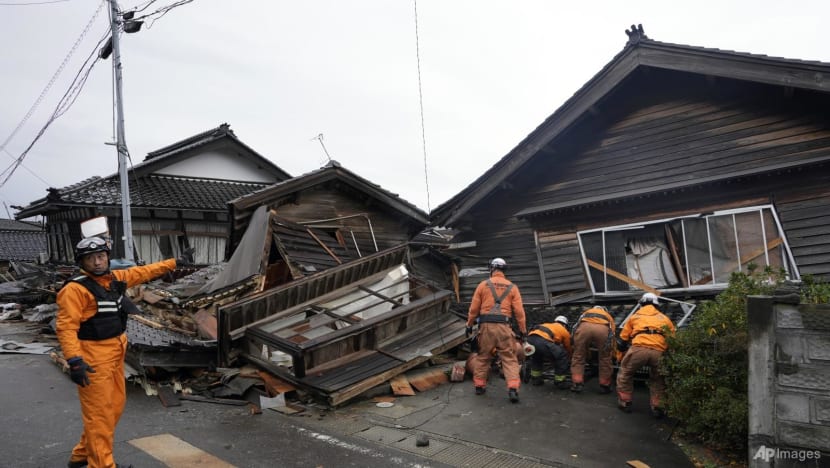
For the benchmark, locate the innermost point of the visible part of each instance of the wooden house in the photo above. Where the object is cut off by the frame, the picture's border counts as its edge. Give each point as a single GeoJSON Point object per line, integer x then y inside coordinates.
{"type": "Point", "coordinates": [671, 168]}
{"type": "Point", "coordinates": [178, 197]}
{"type": "Point", "coordinates": [362, 216]}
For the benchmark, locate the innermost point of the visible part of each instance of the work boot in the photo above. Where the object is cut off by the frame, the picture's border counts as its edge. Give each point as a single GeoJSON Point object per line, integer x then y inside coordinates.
{"type": "Point", "coordinates": [562, 385]}
{"type": "Point", "coordinates": [480, 390]}
{"type": "Point", "coordinates": [624, 406]}
{"type": "Point", "coordinates": [513, 394]}
{"type": "Point", "coordinates": [76, 464]}
{"type": "Point", "coordinates": [657, 412]}
{"type": "Point", "coordinates": [603, 389]}
{"type": "Point", "coordinates": [537, 381]}
{"type": "Point", "coordinates": [576, 387]}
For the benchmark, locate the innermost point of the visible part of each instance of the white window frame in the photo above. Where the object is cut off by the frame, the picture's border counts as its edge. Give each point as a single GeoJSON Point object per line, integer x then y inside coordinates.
{"type": "Point", "coordinates": [788, 261]}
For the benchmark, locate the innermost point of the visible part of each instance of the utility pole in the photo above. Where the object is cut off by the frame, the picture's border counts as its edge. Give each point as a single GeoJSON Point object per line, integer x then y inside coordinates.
{"type": "Point", "coordinates": [121, 142]}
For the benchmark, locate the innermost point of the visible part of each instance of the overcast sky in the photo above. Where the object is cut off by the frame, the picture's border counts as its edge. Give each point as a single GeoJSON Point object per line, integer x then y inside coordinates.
{"type": "Point", "coordinates": [282, 72]}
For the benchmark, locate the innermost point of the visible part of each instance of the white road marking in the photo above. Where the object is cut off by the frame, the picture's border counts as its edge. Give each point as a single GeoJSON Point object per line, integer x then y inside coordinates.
{"type": "Point", "coordinates": [177, 453]}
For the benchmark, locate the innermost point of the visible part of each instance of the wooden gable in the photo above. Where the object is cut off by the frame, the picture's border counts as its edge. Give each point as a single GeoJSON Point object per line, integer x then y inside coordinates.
{"type": "Point", "coordinates": [651, 138]}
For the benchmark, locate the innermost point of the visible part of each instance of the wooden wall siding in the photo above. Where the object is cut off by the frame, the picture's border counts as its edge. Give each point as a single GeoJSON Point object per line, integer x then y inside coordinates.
{"type": "Point", "coordinates": [677, 141]}
{"type": "Point", "coordinates": [807, 224]}
{"type": "Point", "coordinates": [515, 243]}
{"type": "Point", "coordinates": [561, 261]}
{"type": "Point", "coordinates": [324, 203]}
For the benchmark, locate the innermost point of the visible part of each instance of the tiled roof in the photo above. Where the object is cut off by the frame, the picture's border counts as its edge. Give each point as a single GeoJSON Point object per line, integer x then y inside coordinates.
{"type": "Point", "coordinates": [160, 192]}
{"type": "Point", "coordinates": [13, 225]}
{"type": "Point", "coordinates": [332, 169]}
{"type": "Point", "coordinates": [22, 245]}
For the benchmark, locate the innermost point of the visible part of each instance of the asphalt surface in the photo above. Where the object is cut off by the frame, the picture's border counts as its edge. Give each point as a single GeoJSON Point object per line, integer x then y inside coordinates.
{"type": "Point", "coordinates": [548, 427]}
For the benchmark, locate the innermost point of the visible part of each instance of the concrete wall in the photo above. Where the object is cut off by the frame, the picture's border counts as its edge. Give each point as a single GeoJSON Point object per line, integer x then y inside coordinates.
{"type": "Point", "coordinates": [789, 382]}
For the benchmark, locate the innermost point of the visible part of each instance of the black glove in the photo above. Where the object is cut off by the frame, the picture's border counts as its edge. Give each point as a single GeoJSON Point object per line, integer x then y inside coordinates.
{"type": "Point", "coordinates": [78, 369]}
{"type": "Point", "coordinates": [468, 332]}
{"type": "Point", "coordinates": [186, 258]}
{"type": "Point", "coordinates": [622, 345]}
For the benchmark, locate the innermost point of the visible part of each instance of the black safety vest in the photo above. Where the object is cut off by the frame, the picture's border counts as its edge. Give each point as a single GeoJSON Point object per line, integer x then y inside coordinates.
{"type": "Point", "coordinates": [110, 319]}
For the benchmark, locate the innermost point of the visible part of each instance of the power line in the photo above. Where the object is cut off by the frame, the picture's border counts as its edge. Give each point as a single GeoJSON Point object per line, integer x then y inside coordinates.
{"type": "Point", "coordinates": [29, 170]}
{"type": "Point", "coordinates": [421, 102]}
{"type": "Point", "coordinates": [32, 3]}
{"type": "Point", "coordinates": [54, 78]}
{"type": "Point", "coordinates": [65, 103]}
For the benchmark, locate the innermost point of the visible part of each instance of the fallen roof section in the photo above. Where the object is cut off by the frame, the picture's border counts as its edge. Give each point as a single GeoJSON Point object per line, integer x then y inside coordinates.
{"type": "Point", "coordinates": [343, 331]}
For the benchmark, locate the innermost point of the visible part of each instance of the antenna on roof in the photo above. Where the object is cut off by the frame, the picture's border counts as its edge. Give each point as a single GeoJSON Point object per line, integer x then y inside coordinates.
{"type": "Point", "coordinates": [319, 138]}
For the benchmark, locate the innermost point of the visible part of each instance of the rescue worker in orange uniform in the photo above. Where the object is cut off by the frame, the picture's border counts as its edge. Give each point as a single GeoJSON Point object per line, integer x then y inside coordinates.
{"type": "Point", "coordinates": [552, 342]}
{"type": "Point", "coordinates": [594, 327]}
{"type": "Point", "coordinates": [90, 327]}
{"type": "Point", "coordinates": [646, 331]}
{"type": "Point", "coordinates": [495, 303]}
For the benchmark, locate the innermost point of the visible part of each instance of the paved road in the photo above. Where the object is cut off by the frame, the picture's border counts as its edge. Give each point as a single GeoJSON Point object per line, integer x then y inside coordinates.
{"type": "Point", "coordinates": [549, 427]}
{"type": "Point", "coordinates": [41, 423]}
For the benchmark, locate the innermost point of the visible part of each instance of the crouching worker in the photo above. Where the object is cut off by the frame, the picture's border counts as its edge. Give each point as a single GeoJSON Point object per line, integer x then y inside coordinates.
{"type": "Point", "coordinates": [594, 327]}
{"type": "Point", "coordinates": [552, 343]}
{"type": "Point", "coordinates": [646, 331]}
{"type": "Point", "coordinates": [496, 303]}
{"type": "Point", "coordinates": [91, 326]}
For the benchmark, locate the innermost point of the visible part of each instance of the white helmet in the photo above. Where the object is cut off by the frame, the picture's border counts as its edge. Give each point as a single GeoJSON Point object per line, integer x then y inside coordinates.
{"type": "Point", "coordinates": [649, 298]}
{"type": "Point", "coordinates": [498, 263]}
{"type": "Point", "coordinates": [562, 319]}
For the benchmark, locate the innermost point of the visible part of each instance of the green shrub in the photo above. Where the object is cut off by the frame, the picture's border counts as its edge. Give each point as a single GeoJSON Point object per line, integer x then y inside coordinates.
{"type": "Point", "coordinates": [707, 364]}
{"type": "Point", "coordinates": [814, 291]}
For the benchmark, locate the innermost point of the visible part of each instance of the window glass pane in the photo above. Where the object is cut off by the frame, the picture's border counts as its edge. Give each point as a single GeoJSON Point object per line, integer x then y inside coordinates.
{"type": "Point", "coordinates": [750, 239]}
{"type": "Point", "coordinates": [592, 249]}
{"type": "Point", "coordinates": [724, 247]}
{"type": "Point", "coordinates": [697, 251]}
{"type": "Point", "coordinates": [615, 259]}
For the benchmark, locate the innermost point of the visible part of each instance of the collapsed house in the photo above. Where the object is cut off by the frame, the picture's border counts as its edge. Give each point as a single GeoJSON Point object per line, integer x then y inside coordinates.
{"type": "Point", "coordinates": [671, 168]}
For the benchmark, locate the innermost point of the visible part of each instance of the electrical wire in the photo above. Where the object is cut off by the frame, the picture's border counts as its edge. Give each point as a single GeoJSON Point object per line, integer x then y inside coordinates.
{"type": "Point", "coordinates": [156, 15]}
{"type": "Point", "coordinates": [31, 3]}
{"type": "Point", "coordinates": [54, 76]}
{"type": "Point", "coordinates": [29, 170]}
{"type": "Point", "coordinates": [421, 102]}
{"type": "Point", "coordinates": [66, 101]}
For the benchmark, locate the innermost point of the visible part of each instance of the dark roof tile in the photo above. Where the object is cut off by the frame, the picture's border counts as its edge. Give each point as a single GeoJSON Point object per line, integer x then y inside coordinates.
{"type": "Point", "coordinates": [22, 245]}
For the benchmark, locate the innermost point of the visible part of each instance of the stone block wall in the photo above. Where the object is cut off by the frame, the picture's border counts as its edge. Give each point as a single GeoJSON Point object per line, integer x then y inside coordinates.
{"type": "Point", "coordinates": [789, 382]}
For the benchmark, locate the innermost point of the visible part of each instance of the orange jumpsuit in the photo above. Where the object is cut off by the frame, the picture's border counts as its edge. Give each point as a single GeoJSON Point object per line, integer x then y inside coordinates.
{"type": "Point", "coordinates": [102, 401]}
{"type": "Point", "coordinates": [594, 327]}
{"type": "Point", "coordinates": [646, 330]}
{"type": "Point", "coordinates": [497, 338]}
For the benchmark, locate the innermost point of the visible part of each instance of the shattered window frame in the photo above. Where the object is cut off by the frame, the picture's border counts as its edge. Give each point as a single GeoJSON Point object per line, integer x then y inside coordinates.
{"type": "Point", "coordinates": [691, 252]}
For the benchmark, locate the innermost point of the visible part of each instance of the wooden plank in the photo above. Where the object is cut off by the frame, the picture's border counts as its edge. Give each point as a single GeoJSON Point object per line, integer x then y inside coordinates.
{"type": "Point", "coordinates": [426, 379]}
{"type": "Point", "coordinates": [341, 396]}
{"type": "Point", "coordinates": [168, 396]}
{"type": "Point", "coordinates": [623, 277]}
{"type": "Point", "coordinates": [206, 322]}
{"type": "Point", "coordinates": [401, 387]}
{"type": "Point", "coordinates": [273, 385]}
{"type": "Point", "coordinates": [747, 258]}
{"type": "Point", "coordinates": [325, 247]}
{"type": "Point", "coordinates": [675, 257]}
